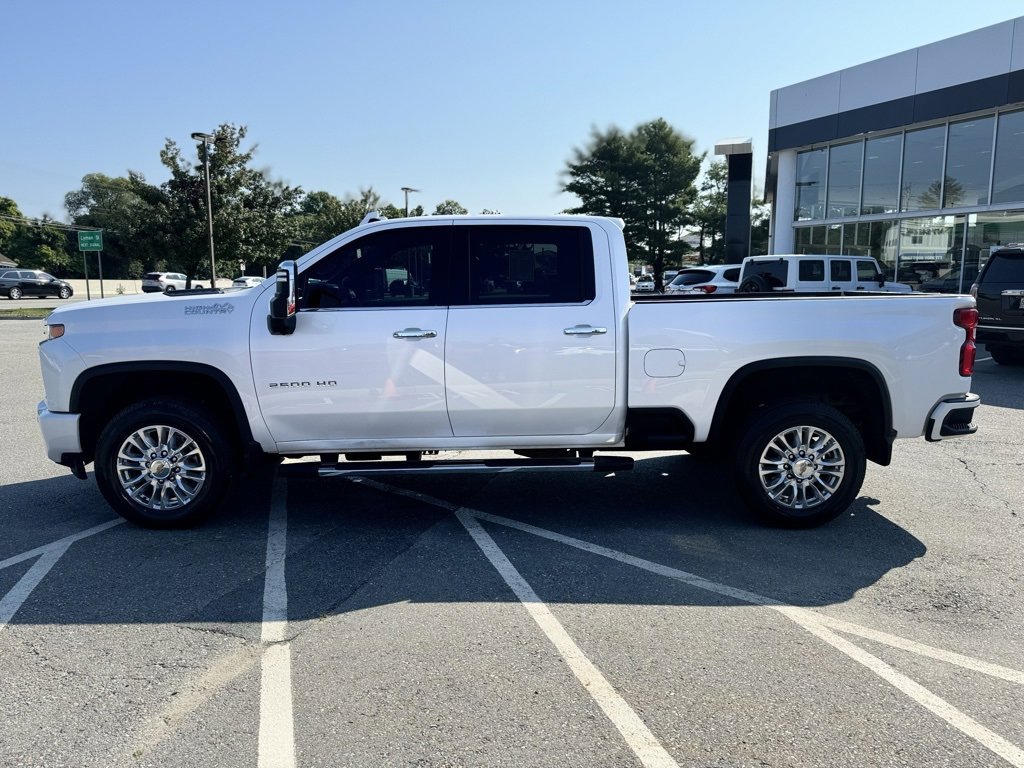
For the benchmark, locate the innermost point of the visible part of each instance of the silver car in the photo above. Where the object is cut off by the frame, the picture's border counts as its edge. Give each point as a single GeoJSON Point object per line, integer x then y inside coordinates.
{"type": "Point", "coordinates": [153, 282]}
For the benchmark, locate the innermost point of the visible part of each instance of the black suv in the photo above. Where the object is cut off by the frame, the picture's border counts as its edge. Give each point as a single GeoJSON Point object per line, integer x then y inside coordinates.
{"type": "Point", "coordinates": [999, 290]}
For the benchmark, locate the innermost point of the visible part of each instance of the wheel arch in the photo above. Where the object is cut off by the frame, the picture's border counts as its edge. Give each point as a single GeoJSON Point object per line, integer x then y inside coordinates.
{"type": "Point", "coordinates": [100, 392]}
{"type": "Point", "coordinates": [855, 387]}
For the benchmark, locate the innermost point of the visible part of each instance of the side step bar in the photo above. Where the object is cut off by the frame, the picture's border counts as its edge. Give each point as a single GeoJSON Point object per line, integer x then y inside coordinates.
{"type": "Point", "coordinates": [602, 464]}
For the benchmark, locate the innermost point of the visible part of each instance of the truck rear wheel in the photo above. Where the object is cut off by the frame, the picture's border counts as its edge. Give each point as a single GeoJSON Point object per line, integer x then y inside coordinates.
{"type": "Point", "coordinates": [799, 465]}
{"type": "Point", "coordinates": [163, 464]}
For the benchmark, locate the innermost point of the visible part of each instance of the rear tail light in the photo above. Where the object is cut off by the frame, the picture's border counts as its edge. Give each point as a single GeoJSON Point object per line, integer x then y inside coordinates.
{"type": "Point", "coordinates": [968, 320]}
{"type": "Point", "coordinates": [709, 288]}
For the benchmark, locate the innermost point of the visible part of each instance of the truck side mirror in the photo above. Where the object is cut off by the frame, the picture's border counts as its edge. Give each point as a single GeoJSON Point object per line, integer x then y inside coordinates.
{"type": "Point", "coordinates": [881, 279]}
{"type": "Point", "coordinates": [281, 320]}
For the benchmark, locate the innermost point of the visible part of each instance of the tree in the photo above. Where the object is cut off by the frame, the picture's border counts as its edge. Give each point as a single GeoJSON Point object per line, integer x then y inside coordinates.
{"type": "Point", "coordinates": [121, 207]}
{"type": "Point", "coordinates": [253, 217]}
{"type": "Point", "coordinates": [646, 178]}
{"type": "Point", "coordinates": [32, 244]}
{"type": "Point", "coordinates": [8, 210]}
{"type": "Point", "coordinates": [760, 226]}
{"type": "Point", "coordinates": [450, 208]}
{"type": "Point", "coordinates": [709, 212]}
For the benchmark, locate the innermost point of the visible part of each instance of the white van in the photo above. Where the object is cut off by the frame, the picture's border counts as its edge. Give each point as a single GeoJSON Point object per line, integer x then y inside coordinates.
{"type": "Point", "coordinates": [813, 273]}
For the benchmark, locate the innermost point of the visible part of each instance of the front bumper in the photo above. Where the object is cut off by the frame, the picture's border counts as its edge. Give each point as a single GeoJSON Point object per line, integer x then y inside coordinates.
{"type": "Point", "coordinates": [60, 434]}
{"type": "Point", "coordinates": [952, 418]}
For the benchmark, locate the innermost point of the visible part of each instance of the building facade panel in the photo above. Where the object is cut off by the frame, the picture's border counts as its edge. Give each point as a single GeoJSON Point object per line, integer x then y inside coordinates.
{"type": "Point", "coordinates": [975, 55]}
{"type": "Point", "coordinates": [808, 100]}
{"type": "Point", "coordinates": [888, 79]}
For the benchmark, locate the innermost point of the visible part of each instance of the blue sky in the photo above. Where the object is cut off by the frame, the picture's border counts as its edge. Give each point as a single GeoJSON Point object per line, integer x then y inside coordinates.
{"type": "Point", "coordinates": [477, 101]}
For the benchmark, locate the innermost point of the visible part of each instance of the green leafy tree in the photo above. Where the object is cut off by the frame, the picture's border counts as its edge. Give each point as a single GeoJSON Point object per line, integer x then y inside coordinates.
{"type": "Point", "coordinates": [32, 244]}
{"type": "Point", "coordinates": [760, 226]}
{"type": "Point", "coordinates": [450, 208]}
{"type": "Point", "coordinates": [121, 207]}
{"type": "Point", "coordinates": [253, 217]}
{"type": "Point", "coordinates": [708, 212]}
{"type": "Point", "coordinates": [8, 211]}
{"type": "Point", "coordinates": [646, 178]}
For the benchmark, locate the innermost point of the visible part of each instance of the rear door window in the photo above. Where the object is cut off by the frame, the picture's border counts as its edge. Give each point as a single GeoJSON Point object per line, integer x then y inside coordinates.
{"type": "Point", "coordinates": [524, 265]}
{"type": "Point", "coordinates": [841, 271]}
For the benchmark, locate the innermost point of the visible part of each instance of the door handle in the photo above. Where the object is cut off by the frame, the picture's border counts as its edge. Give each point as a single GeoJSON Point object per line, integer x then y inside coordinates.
{"type": "Point", "coordinates": [583, 330]}
{"type": "Point", "coordinates": [414, 333]}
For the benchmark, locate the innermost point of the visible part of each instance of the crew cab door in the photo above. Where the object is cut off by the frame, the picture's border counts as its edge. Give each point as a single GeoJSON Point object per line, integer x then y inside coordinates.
{"type": "Point", "coordinates": [366, 359]}
{"type": "Point", "coordinates": [532, 330]}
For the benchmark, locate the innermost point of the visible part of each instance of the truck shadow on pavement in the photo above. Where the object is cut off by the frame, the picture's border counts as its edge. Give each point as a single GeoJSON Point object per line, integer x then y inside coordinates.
{"type": "Point", "coordinates": [351, 546]}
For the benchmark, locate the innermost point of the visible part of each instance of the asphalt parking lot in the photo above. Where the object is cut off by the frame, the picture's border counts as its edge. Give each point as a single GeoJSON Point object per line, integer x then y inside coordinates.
{"type": "Point", "coordinates": [642, 619]}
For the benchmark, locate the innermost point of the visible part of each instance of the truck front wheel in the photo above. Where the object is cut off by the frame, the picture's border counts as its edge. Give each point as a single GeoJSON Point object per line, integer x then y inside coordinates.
{"type": "Point", "coordinates": [163, 464]}
{"type": "Point", "coordinates": [799, 465]}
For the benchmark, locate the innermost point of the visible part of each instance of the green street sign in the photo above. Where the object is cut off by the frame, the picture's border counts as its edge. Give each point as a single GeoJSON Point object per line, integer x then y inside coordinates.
{"type": "Point", "coordinates": [90, 241]}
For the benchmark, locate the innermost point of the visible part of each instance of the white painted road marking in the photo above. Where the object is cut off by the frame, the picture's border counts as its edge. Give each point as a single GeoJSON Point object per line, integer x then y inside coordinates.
{"type": "Point", "coordinates": [639, 738]}
{"type": "Point", "coordinates": [67, 540]}
{"type": "Point", "coordinates": [809, 620]}
{"type": "Point", "coordinates": [48, 555]}
{"type": "Point", "coordinates": [277, 724]}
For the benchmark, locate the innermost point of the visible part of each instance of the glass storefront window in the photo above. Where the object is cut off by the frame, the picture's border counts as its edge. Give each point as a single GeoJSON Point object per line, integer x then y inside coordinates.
{"type": "Point", "coordinates": [968, 163]}
{"type": "Point", "coordinates": [882, 175]}
{"type": "Point", "coordinates": [922, 169]}
{"type": "Point", "coordinates": [1008, 184]}
{"type": "Point", "coordinates": [844, 163]}
{"type": "Point", "coordinates": [878, 239]}
{"type": "Point", "coordinates": [810, 240]}
{"type": "Point", "coordinates": [930, 251]}
{"type": "Point", "coordinates": [810, 185]}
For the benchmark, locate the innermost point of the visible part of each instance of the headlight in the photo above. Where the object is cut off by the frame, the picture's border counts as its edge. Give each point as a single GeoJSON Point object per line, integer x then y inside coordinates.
{"type": "Point", "coordinates": [55, 330]}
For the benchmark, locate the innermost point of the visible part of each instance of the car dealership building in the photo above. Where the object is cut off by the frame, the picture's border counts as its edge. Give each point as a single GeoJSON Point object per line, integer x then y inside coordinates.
{"type": "Point", "coordinates": [916, 159]}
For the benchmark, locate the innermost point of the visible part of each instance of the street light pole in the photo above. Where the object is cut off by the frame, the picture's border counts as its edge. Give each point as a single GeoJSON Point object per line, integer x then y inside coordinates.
{"type": "Point", "coordinates": [407, 190]}
{"type": "Point", "coordinates": [207, 139]}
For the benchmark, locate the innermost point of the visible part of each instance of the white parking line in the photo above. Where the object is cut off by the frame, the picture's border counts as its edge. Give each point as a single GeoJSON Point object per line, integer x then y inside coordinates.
{"type": "Point", "coordinates": [48, 555]}
{"type": "Point", "coordinates": [811, 621]}
{"type": "Point", "coordinates": [277, 725]}
{"type": "Point", "coordinates": [65, 542]}
{"type": "Point", "coordinates": [12, 601]}
{"type": "Point", "coordinates": [637, 735]}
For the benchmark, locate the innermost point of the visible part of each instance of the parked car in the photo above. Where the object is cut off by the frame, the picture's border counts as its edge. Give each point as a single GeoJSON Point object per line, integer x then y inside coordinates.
{"type": "Point", "coordinates": [949, 282]}
{"type": "Point", "coordinates": [644, 284]}
{"type": "Point", "coordinates": [814, 273]}
{"type": "Point", "coordinates": [15, 283]}
{"type": "Point", "coordinates": [246, 281]}
{"type": "Point", "coordinates": [153, 282]}
{"type": "Point", "coordinates": [717, 278]}
{"type": "Point", "coordinates": [999, 292]}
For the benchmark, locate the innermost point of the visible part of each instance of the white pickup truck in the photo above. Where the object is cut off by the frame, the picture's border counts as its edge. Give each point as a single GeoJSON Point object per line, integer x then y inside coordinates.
{"type": "Point", "coordinates": [400, 339]}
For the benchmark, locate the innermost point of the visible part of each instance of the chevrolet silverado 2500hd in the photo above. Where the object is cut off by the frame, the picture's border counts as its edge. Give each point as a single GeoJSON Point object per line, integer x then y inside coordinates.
{"type": "Point", "coordinates": [408, 337]}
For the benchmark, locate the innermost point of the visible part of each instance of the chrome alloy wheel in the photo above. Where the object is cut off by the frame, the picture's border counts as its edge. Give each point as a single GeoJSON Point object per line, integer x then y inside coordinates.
{"type": "Point", "coordinates": [802, 467]}
{"type": "Point", "coordinates": [160, 467]}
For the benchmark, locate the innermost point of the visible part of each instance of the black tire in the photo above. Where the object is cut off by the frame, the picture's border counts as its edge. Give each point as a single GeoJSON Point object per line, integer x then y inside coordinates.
{"type": "Point", "coordinates": [65, 292]}
{"type": "Point", "coordinates": [181, 482]}
{"type": "Point", "coordinates": [197, 287]}
{"type": "Point", "coordinates": [753, 284]}
{"type": "Point", "coordinates": [1006, 355]}
{"type": "Point", "coordinates": [832, 464]}
{"type": "Point", "coordinates": [169, 289]}
{"type": "Point", "coordinates": [14, 293]}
